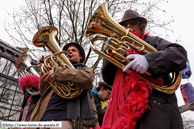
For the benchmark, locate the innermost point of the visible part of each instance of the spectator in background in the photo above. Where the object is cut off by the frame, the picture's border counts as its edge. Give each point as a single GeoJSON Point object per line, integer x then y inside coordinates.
{"type": "Point", "coordinates": [101, 93]}
{"type": "Point", "coordinates": [41, 58]}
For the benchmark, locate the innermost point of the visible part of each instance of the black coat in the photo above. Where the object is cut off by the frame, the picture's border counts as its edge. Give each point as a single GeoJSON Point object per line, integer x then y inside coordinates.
{"type": "Point", "coordinates": [100, 111]}
{"type": "Point", "coordinates": [163, 112]}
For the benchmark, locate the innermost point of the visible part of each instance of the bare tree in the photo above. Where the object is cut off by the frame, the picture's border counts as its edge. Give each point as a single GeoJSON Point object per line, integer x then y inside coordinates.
{"type": "Point", "coordinates": [71, 18]}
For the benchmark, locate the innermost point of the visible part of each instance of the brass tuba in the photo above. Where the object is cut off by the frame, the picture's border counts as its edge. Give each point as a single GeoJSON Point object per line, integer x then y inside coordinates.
{"type": "Point", "coordinates": [24, 62]}
{"type": "Point", "coordinates": [47, 37]}
{"type": "Point", "coordinates": [102, 26]}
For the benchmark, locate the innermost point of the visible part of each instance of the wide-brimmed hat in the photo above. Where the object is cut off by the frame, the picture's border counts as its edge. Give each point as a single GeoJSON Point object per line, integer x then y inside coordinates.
{"type": "Point", "coordinates": [131, 14]}
{"type": "Point", "coordinates": [105, 85]}
{"type": "Point", "coordinates": [79, 47]}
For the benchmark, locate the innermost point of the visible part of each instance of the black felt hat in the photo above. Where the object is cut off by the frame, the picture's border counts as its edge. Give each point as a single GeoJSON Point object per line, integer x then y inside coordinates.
{"type": "Point", "coordinates": [131, 14]}
{"type": "Point", "coordinates": [79, 47]}
{"type": "Point", "coordinates": [105, 85]}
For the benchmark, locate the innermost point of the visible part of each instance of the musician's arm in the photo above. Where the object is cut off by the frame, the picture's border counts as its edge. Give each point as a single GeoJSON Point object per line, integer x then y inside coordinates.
{"type": "Point", "coordinates": [82, 78]}
{"type": "Point", "coordinates": [171, 57]}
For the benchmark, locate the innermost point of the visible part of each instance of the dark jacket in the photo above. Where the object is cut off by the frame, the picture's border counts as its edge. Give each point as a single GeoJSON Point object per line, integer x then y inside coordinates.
{"type": "Point", "coordinates": [163, 112]}
{"type": "Point", "coordinates": [100, 111]}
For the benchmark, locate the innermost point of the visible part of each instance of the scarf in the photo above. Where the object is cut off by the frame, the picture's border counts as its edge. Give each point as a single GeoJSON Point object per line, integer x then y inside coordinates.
{"type": "Point", "coordinates": [141, 36]}
{"type": "Point", "coordinates": [82, 104]}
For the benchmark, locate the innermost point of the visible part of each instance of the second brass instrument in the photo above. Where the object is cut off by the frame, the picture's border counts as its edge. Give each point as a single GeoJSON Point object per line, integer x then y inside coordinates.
{"type": "Point", "coordinates": [24, 62]}
{"type": "Point", "coordinates": [47, 37]}
{"type": "Point", "coordinates": [102, 26]}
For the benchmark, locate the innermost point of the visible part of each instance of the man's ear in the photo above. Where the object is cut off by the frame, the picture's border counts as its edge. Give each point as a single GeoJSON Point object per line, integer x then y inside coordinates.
{"type": "Point", "coordinates": [80, 57]}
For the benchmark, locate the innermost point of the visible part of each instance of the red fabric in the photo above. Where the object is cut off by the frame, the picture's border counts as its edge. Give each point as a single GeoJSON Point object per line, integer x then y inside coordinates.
{"type": "Point", "coordinates": [140, 35]}
{"type": "Point", "coordinates": [111, 54]}
{"type": "Point", "coordinates": [128, 101]}
{"type": "Point", "coordinates": [97, 127]}
{"type": "Point", "coordinates": [29, 81]}
{"type": "Point", "coordinates": [134, 52]}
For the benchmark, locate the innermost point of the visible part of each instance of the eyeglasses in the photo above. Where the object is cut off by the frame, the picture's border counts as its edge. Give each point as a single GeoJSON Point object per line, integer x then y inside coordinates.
{"type": "Point", "coordinates": [109, 91]}
{"type": "Point", "coordinates": [133, 22]}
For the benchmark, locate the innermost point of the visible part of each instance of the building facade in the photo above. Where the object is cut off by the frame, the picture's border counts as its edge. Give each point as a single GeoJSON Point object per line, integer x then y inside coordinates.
{"type": "Point", "coordinates": [11, 97]}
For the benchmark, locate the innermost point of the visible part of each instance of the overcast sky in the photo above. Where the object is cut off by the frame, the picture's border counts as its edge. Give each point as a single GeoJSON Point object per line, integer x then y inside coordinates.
{"type": "Point", "coordinates": [183, 29]}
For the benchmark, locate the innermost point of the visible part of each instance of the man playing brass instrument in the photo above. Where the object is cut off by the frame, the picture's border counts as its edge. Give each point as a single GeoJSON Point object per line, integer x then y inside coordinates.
{"type": "Point", "coordinates": [134, 103]}
{"type": "Point", "coordinates": [79, 112]}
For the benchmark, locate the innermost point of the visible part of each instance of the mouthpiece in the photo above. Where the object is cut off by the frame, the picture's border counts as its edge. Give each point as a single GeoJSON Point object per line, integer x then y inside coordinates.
{"type": "Point", "coordinates": [70, 55]}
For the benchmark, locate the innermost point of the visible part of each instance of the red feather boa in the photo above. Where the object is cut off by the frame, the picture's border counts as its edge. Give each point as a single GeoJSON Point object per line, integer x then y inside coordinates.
{"type": "Point", "coordinates": [128, 101]}
{"type": "Point", "coordinates": [29, 81]}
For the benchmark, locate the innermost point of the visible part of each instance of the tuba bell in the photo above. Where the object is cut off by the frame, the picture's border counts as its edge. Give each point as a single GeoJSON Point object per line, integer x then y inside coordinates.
{"type": "Point", "coordinates": [24, 62]}
{"type": "Point", "coordinates": [47, 37]}
{"type": "Point", "coordinates": [102, 26]}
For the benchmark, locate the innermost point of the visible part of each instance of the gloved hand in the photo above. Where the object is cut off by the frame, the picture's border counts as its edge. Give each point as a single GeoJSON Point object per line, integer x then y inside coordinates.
{"type": "Point", "coordinates": [139, 64]}
{"type": "Point", "coordinates": [107, 43]}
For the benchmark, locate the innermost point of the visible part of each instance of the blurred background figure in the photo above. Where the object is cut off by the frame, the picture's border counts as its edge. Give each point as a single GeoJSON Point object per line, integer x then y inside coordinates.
{"type": "Point", "coordinates": [41, 58]}
{"type": "Point", "coordinates": [101, 94]}
{"type": "Point", "coordinates": [29, 84]}
{"type": "Point", "coordinates": [104, 104]}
